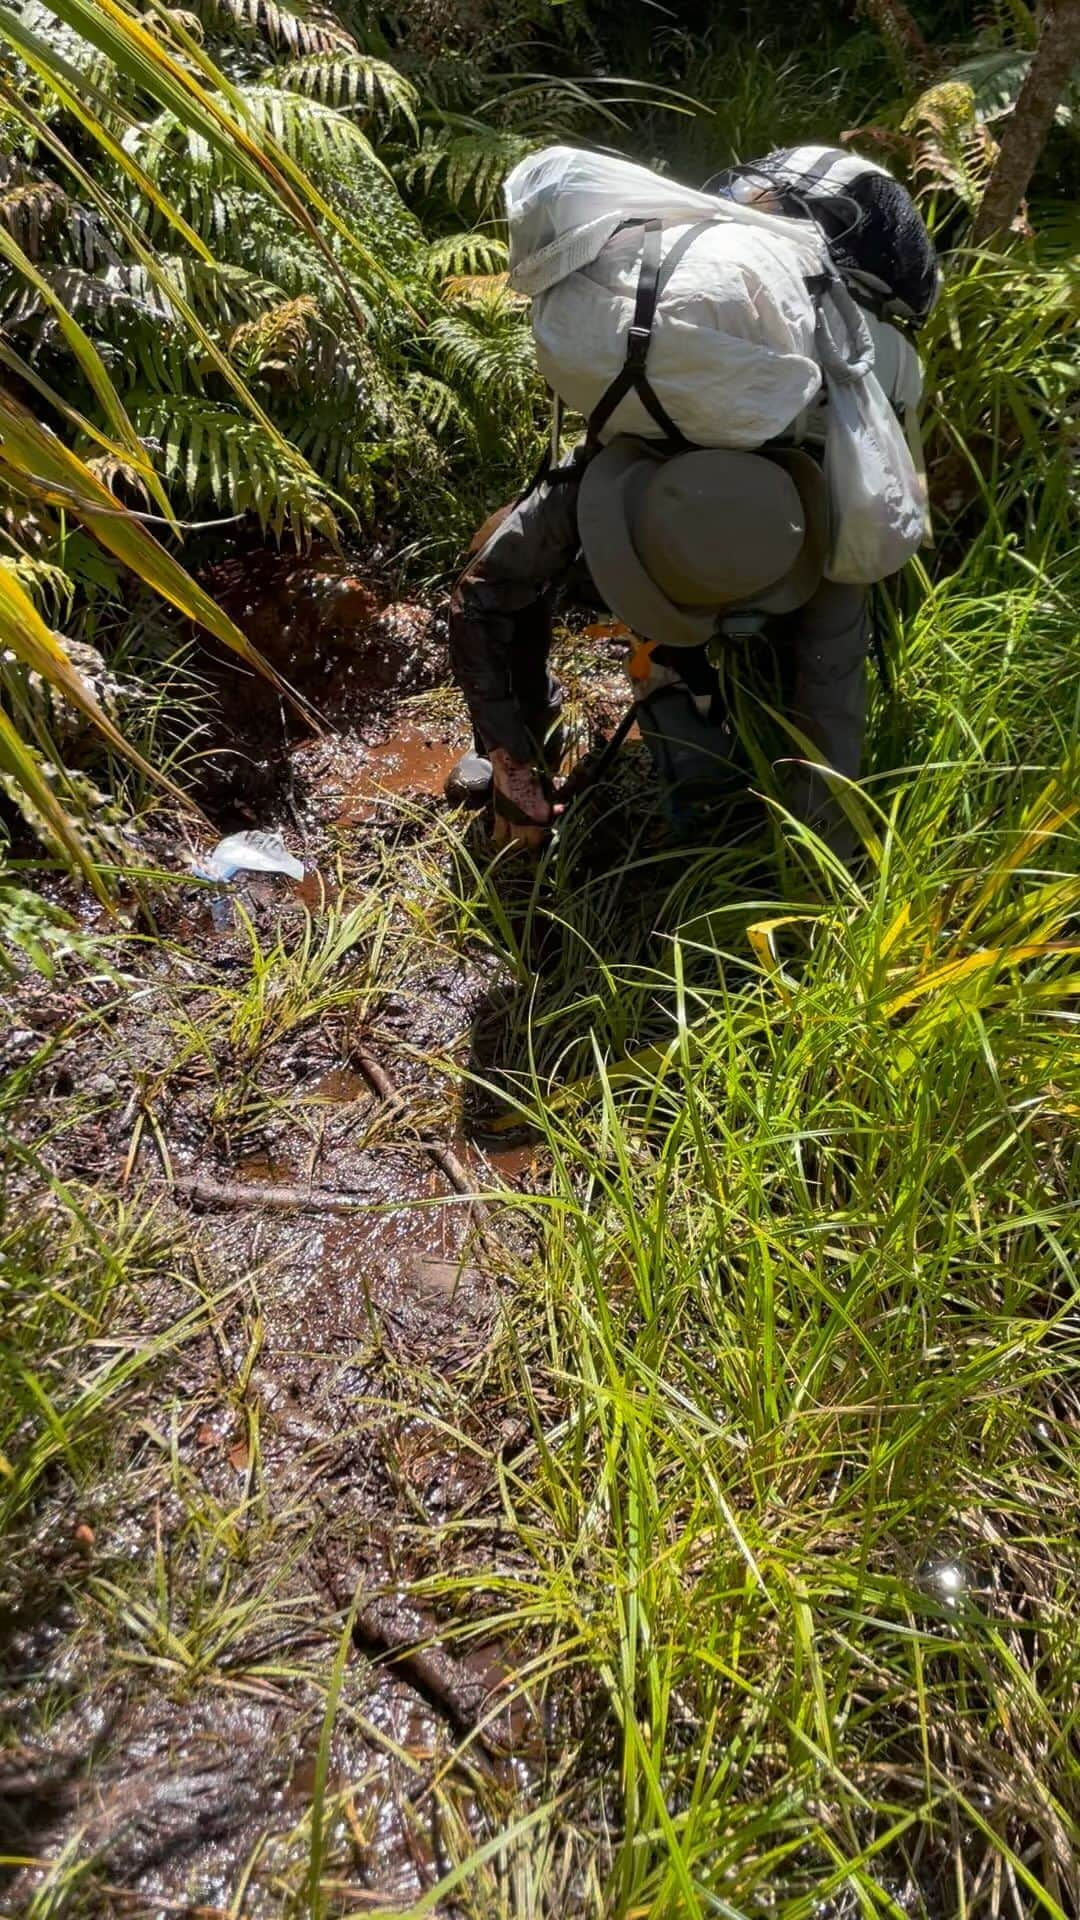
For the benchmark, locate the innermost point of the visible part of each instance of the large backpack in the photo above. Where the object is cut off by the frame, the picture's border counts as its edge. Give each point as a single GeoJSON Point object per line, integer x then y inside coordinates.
{"type": "Point", "coordinates": [662, 311]}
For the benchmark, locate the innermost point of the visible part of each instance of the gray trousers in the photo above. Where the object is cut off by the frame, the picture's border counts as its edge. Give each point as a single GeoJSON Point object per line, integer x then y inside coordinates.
{"type": "Point", "coordinates": [822, 652]}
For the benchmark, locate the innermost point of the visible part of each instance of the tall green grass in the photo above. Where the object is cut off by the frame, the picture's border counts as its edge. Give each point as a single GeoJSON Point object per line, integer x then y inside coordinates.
{"type": "Point", "coordinates": [796, 1532]}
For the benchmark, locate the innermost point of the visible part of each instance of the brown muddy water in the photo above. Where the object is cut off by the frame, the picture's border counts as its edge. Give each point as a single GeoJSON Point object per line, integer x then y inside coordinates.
{"type": "Point", "coordinates": [322, 1445]}
{"type": "Point", "coordinates": [415, 762]}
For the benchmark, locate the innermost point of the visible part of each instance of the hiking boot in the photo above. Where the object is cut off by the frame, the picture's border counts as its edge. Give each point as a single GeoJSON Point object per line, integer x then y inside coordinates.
{"type": "Point", "coordinates": [468, 784]}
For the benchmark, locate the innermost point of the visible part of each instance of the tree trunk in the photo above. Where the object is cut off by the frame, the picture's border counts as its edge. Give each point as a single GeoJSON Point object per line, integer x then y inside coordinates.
{"type": "Point", "coordinates": [1024, 137]}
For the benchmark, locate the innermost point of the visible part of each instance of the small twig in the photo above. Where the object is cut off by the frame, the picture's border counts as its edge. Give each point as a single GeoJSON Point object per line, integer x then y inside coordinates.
{"type": "Point", "coordinates": [444, 1157]}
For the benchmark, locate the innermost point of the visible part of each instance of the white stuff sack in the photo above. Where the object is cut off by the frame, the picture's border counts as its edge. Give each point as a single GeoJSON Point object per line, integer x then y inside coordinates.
{"type": "Point", "coordinates": [877, 500]}
{"type": "Point", "coordinates": [563, 205]}
{"type": "Point", "coordinates": [732, 356]}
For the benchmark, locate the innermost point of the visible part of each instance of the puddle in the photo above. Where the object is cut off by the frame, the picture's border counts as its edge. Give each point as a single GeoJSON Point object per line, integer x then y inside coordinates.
{"type": "Point", "coordinates": [510, 1165]}
{"type": "Point", "coordinates": [337, 1088]}
{"type": "Point", "coordinates": [415, 761]}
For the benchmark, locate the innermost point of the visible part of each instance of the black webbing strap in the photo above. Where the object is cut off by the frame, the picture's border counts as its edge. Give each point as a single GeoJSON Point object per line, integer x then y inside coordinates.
{"type": "Point", "coordinates": [876, 615]}
{"type": "Point", "coordinates": [632, 374]}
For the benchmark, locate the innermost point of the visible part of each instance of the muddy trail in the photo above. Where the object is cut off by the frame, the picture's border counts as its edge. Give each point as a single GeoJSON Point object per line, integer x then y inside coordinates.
{"type": "Point", "coordinates": [326, 1260]}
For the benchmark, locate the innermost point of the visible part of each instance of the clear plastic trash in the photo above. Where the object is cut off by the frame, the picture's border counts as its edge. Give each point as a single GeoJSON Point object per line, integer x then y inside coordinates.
{"type": "Point", "coordinates": [250, 852]}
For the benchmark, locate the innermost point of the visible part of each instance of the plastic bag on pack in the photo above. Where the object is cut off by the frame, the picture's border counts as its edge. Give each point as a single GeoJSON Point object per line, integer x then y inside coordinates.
{"type": "Point", "coordinates": [877, 500]}
{"type": "Point", "coordinates": [563, 205]}
{"type": "Point", "coordinates": [732, 353]}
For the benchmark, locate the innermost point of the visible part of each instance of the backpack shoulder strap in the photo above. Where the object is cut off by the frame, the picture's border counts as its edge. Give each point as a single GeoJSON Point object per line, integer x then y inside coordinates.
{"type": "Point", "coordinates": [632, 374]}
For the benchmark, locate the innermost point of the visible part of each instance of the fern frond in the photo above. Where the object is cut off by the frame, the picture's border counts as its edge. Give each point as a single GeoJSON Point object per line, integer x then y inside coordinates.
{"type": "Point", "coordinates": [296, 29]}
{"type": "Point", "coordinates": [212, 452]}
{"type": "Point", "coordinates": [286, 257]}
{"type": "Point", "coordinates": [354, 80]}
{"type": "Point", "coordinates": [120, 287]}
{"type": "Point", "coordinates": [438, 404]}
{"type": "Point", "coordinates": [349, 445]}
{"type": "Point", "coordinates": [216, 290]}
{"type": "Point", "coordinates": [490, 290]}
{"type": "Point", "coordinates": [101, 78]}
{"type": "Point", "coordinates": [311, 132]}
{"type": "Point", "coordinates": [954, 148]}
{"type": "Point", "coordinates": [43, 220]}
{"type": "Point", "coordinates": [345, 459]}
{"type": "Point", "coordinates": [999, 21]}
{"type": "Point", "coordinates": [120, 477]}
{"type": "Point", "coordinates": [31, 212]}
{"type": "Point", "coordinates": [275, 341]}
{"type": "Point", "coordinates": [26, 526]}
{"type": "Point", "coordinates": [179, 159]}
{"type": "Point", "coordinates": [51, 589]}
{"type": "Point", "coordinates": [469, 167]}
{"type": "Point", "coordinates": [467, 253]}
{"type": "Point", "coordinates": [162, 23]}
{"type": "Point", "coordinates": [489, 351]}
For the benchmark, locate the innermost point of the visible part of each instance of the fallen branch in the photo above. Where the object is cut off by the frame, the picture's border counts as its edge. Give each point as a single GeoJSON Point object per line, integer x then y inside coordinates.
{"type": "Point", "coordinates": [269, 1195]}
{"type": "Point", "coordinates": [464, 1686]}
{"type": "Point", "coordinates": [272, 1195]}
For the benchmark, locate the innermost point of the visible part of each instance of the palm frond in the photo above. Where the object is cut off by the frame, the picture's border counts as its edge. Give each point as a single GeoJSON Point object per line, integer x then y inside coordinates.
{"type": "Point", "coordinates": [353, 80]}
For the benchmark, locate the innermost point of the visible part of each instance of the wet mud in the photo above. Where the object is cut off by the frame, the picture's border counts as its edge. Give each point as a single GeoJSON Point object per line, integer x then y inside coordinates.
{"type": "Point", "coordinates": [340, 1411]}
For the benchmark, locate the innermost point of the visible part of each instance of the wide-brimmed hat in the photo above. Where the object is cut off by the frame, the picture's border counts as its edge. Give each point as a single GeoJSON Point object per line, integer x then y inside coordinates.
{"type": "Point", "coordinates": [672, 541]}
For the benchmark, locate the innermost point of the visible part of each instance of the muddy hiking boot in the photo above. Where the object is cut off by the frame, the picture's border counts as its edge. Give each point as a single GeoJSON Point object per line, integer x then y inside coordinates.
{"type": "Point", "coordinates": [468, 783]}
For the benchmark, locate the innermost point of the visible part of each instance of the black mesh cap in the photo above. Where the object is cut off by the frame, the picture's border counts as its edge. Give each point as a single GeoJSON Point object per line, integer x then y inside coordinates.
{"type": "Point", "coordinates": [875, 232]}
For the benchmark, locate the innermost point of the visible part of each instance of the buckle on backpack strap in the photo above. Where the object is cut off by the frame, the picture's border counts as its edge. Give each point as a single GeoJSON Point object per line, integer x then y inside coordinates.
{"type": "Point", "coordinates": [637, 346]}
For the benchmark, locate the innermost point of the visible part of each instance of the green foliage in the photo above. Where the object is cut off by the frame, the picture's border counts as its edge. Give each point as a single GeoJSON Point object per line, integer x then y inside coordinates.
{"type": "Point", "coordinates": [353, 80]}
{"type": "Point", "coordinates": [298, 30]}
{"type": "Point", "coordinates": [468, 166]}
{"type": "Point", "coordinates": [35, 931]}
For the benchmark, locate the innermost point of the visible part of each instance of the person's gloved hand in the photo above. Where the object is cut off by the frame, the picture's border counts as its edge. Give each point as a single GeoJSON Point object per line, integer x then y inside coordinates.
{"type": "Point", "coordinates": [523, 812]}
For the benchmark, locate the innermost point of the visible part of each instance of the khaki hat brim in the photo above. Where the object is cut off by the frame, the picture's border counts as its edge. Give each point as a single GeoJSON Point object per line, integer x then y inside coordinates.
{"type": "Point", "coordinates": [605, 517]}
{"type": "Point", "coordinates": [604, 522]}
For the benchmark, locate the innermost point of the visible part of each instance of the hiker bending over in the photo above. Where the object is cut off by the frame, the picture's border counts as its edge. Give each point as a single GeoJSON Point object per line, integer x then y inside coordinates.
{"type": "Point", "coordinates": [692, 547]}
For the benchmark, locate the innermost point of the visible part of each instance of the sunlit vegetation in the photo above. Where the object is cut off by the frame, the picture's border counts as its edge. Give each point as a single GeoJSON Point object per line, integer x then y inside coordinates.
{"type": "Point", "coordinates": [769, 1446]}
